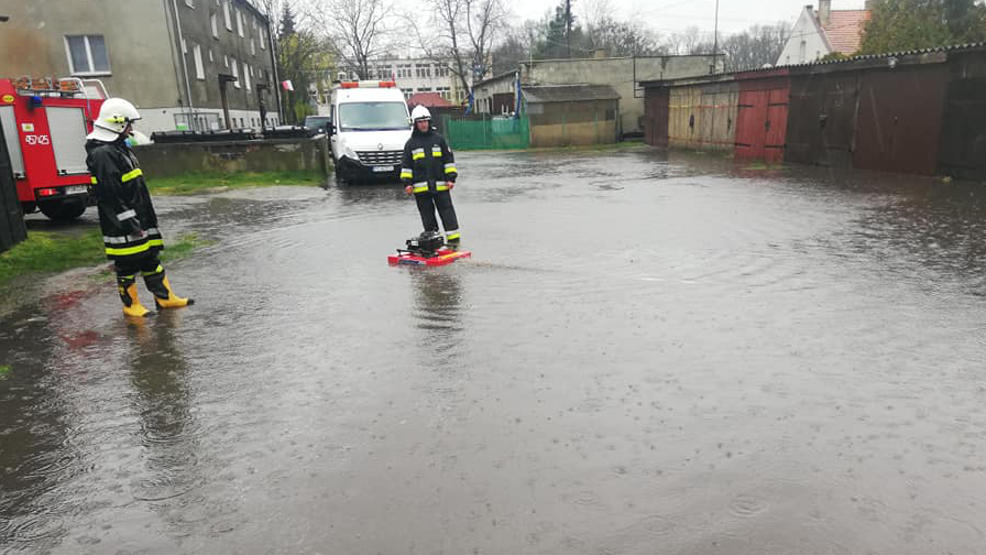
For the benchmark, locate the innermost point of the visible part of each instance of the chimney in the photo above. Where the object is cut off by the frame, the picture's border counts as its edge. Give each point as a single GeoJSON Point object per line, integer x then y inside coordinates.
{"type": "Point", "coordinates": [824, 11]}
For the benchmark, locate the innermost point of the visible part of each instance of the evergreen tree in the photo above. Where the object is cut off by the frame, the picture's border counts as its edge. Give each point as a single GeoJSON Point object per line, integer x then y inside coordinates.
{"type": "Point", "coordinates": [287, 22]}
{"type": "Point", "coordinates": [555, 40]}
{"type": "Point", "coordinates": [898, 25]}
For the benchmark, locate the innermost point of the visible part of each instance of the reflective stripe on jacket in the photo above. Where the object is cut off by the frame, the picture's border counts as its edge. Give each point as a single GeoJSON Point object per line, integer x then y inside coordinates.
{"type": "Point", "coordinates": [428, 163]}
{"type": "Point", "coordinates": [126, 213]}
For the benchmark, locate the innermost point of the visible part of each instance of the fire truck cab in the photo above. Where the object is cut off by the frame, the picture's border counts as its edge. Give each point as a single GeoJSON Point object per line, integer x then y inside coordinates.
{"type": "Point", "coordinates": [45, 123]}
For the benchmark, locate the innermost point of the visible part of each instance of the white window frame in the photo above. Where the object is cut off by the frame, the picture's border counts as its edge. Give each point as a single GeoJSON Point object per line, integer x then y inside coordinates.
{"type": "Point", "coordinates": [236, 72]}
{"type": "Point", "coordinates": [253, 47]}
{"type": "Point", "coordinates": [227, 20]}
{"type": "Point", "coordinates": [239, 22]}
{"type": "Point", "coordinates": [214, 22]}
{"type": "Point", "coordinates": [246, 76]}
{"type": "Point", "coordinates": [199, 66]}
{"type": "Point", "coordinates": [263, 39]}
{"type": "Point", "coordinates": [93, 73]}
{"type": "Point", "coordinates": [226, 61]}
{"type": "Point", "coordinates": [212, 59]}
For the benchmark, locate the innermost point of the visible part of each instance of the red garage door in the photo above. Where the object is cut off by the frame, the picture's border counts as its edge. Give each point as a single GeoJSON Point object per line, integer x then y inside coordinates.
{"type": "Point", "coordinates": [761, 118]}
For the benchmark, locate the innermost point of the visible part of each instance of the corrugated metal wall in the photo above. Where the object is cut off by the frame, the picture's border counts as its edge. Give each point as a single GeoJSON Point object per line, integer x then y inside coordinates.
{"type": "Point", "coordinates": [899, 119]}
{"type": "Point", "coordinates": [656, 116]}
{"type": "Point", "coordinates": [920, 112]}
{"type": "Point", "coordinates": [12, 230]}
{"type": "Point", "coordinates": [821, 128]}
{"type": "Point", "coordinates": [963, 145]}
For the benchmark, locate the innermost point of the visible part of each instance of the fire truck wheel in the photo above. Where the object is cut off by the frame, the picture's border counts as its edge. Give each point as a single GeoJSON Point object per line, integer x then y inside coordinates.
{"type": "Point", "coordinates": [63, 210]}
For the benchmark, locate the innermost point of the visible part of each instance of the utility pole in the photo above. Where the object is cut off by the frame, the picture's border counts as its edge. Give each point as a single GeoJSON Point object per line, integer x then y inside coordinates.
{"type": "Point", "coordinates": [568, 26]}
{"type": "Point", "coordinates": [715, 40]}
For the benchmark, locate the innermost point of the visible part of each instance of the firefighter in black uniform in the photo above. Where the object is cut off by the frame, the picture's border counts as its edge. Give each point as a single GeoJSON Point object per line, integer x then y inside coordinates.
{"type": "Point", "coordinates": [126, 215]}
{"type": "Point", "coordinates": [428, 171]}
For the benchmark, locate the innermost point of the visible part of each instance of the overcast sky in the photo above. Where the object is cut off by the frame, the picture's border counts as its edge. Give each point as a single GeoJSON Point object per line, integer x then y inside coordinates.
{"type": "Point", "coordinates": [667, 16]}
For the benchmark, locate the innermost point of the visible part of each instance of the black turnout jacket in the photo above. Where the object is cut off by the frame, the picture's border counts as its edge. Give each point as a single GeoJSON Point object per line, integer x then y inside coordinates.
{"type": "Point", "coordinates": [126, 214]}
{"type": "Point", "coordinates": [428, 163]}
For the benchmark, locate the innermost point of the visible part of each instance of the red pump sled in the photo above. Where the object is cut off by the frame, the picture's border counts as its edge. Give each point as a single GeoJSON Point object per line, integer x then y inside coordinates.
{"type": "Point", "coordinates": [426, 250]}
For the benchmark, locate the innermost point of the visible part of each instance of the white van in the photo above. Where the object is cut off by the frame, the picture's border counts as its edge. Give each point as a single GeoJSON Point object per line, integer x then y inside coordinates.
{"type": "Point", "coordinates": [368, 129]}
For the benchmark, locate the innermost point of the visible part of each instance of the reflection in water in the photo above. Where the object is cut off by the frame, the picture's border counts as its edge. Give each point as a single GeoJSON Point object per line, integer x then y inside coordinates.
{"type": "Point", "coordinates": [709, 356]}
{"type": "Point", "coordinates": [922, 231]}
{"type": "Point", "coordinates": [169, 431]}
{"type": "Point", "coordinates": [35, 453]}
{"type": "Point", "coordinates": [438, 311]}
{"type": "Point", "coordinates": [942, 228]}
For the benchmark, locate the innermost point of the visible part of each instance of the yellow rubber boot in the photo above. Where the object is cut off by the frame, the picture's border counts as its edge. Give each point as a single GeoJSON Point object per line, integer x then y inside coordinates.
{"type": "Point", "coordinates": [164, 296]}
{"type": "Point", "coordinates": [131, 304]}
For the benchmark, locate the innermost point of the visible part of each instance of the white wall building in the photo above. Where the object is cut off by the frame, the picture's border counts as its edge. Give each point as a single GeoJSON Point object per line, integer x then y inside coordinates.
{"type": "Point", "coordinates": [819, 33]}
{"type": "Point", "coordinates": [416, 75]}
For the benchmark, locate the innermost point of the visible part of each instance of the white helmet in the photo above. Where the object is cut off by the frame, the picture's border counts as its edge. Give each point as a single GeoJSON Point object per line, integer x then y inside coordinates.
{"type": "Point", "coordinates": [419, 113]}
{"type": "Point", "coordinates": [114, 116]}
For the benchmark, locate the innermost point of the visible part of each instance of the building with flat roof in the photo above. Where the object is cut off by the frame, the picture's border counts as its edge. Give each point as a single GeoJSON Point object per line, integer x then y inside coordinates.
{"type": "Point", "coordinates": [171, 58]}
{"type": "Point", "coordinates": [420, 75]}
{"type": "Point", "coordinates": [497, 95]}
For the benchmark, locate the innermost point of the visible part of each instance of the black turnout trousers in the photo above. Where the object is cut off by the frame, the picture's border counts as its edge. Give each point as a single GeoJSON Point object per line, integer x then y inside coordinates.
{"type": "Point", "coordinates": [147, 264]}
{"type": "Point", "coordinates": [441, 200]}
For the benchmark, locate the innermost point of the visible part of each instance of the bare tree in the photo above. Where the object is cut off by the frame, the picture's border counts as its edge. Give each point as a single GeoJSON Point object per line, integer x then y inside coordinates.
{"type": "Point", "coordinates": [358, 30]}
{"type": "Point", "coordinates": [592, 12]}
{"type": "Point", "coordinates": [756, 46]}
{"type": "Point", "coordinates": [485, 19]}
{"type": "Point", "coordinates": [689, 41]}
{"type": "Point", "coordinates": [466, 33]}
{"type": "Point", "coordinates": [621, 38]}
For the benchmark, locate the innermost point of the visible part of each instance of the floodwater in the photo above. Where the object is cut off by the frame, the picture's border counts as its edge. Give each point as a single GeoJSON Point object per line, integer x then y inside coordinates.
{"type": "Point", "coordinates": [645, 355]}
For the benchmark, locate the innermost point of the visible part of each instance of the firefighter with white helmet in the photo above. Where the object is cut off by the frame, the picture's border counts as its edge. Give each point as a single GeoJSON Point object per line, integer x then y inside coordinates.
{"type": "Point", "coordinates": [428, 172]}
{"type": "Point", "coordinates": [126, 215]}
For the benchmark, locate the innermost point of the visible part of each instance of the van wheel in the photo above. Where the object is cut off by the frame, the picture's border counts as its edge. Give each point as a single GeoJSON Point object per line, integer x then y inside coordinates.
{"type": "Point", "coordinates": [339, 177]}
{"type": "Point", "coordinates": [63, 210]}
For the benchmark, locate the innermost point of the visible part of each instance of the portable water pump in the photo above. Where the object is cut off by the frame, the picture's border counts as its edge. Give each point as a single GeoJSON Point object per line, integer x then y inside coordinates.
{"type": "Point", "coordinates": [427, 249]}
{"type": "Point", "coordinates": [426, 244]}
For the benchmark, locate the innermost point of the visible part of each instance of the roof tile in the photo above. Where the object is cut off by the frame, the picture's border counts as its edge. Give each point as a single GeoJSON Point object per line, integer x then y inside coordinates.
{"type": "Point", "coordinates": [845, 29]}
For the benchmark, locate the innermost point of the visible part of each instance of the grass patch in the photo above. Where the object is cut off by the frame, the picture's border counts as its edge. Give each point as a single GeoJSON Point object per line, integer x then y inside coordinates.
{"type": "Point", "coordinates": [45, 252]}
{"type": "Point", "coordinates": [5, 370]}
{"type": "Point", "coordinates": [760, 165]}
{"type": "Point", "coordinates": [210, 182]}
{"type": "Point", "coordinates": [185, 245]}
{"type": "Point", "coordinates": [48, 253]}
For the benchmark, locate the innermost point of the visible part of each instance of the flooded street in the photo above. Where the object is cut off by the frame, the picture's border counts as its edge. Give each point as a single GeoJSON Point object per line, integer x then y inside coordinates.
{"type": "Point", "coordinates": [644, 355]}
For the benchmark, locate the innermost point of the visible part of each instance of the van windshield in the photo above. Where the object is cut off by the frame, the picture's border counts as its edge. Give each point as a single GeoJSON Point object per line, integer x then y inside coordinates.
{"type": "Point", "coordinates": [373, 116]}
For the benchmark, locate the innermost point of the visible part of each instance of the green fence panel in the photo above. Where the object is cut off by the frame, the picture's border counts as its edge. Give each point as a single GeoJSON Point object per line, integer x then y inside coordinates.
{"type": "Point", "coordinates": [479, 134]}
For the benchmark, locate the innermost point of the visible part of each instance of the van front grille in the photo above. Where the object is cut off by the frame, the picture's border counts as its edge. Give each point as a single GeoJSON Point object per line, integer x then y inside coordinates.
{"type": "Point", "coordinates": [380, 157]}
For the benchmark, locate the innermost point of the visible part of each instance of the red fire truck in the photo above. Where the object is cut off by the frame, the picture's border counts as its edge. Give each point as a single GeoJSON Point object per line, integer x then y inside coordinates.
{"type": "Point", "coordinates": [45, 123]}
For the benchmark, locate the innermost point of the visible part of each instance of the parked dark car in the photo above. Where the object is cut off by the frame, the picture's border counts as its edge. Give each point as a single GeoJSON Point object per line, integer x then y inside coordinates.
{"type": "Point", "coordinates": [317, 124]}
